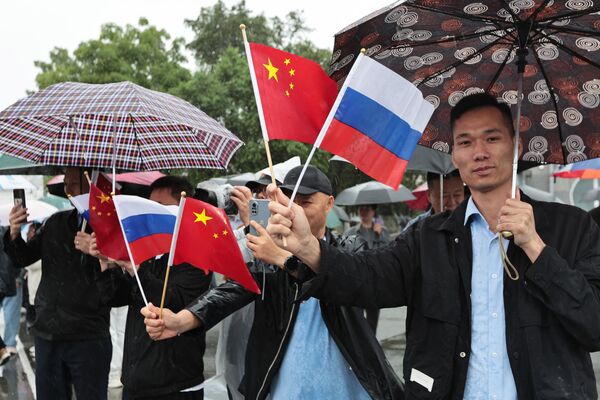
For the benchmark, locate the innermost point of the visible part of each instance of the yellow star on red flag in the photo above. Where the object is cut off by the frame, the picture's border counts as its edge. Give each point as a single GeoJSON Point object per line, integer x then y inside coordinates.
{"type": "Point", "coordinates": [202, 217]}
{"type": "Point", "coordinates": [272, 70]}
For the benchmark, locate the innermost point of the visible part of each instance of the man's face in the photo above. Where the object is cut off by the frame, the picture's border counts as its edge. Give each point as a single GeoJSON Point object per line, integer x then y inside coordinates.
{"type": "Point", "coordinates": [483, 149]}
{"type": "Point", "coordinates": [367, 213]}
{"type": "Point", "coordinates": [316, 206]}
{"type": "Point", "coordinates": [164, 197]}
{"type": "Point", "coordinates": [454, 194]}
{"type": "Point", "coordinates": [74, 182]}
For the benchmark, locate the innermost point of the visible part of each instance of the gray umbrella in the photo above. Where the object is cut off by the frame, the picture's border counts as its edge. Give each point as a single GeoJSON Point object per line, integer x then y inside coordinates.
{"type": "Point", "coordinates": [372, 192]}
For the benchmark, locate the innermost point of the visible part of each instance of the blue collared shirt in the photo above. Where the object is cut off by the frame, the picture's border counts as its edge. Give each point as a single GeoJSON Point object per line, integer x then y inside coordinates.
{"type": "Point", "coordinates": [489, 376]}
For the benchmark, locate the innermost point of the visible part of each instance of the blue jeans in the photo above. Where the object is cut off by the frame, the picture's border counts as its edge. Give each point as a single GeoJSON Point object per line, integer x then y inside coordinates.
{"type": "Point", "coordinates": [11, 306]}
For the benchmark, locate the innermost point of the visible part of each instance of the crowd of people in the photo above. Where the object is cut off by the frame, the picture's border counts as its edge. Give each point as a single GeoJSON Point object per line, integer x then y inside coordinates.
{"type": "Point", "coordinates": [472, 331]}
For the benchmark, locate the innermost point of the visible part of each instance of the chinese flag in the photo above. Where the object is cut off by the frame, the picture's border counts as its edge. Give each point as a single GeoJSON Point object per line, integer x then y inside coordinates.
{"type": "Point", "coordinates": [296, 94]}
{"type": "Point", "coordinates": [105, 223]}
{"type": "Point", "coordinates": [205, 240]}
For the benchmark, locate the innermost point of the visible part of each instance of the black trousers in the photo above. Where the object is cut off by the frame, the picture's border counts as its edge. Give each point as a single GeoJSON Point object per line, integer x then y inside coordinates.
{"type": "Point", "coordinates": [83, 364]}
{"type": "Point", "coordinates": [195, 395]}
{"type": "Point", "coordinates": [2, 344]}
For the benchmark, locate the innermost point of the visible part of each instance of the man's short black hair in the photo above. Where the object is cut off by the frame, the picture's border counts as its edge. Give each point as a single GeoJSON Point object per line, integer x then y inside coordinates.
{"type": "Point", "coordinates": [433, 177]}
{"type": "Point", "coordinates": [176, 184]}
{"type": "Point", "coordinates": [479, 100]}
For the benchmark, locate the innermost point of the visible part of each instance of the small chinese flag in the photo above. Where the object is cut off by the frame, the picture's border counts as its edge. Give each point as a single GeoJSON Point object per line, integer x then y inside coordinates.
{"type": "Point", "coordinates": [204, 239]}
{"type": "Point", "coordinates": [105, 223]}
{"type": "Point", "coordinates": [296, 94]}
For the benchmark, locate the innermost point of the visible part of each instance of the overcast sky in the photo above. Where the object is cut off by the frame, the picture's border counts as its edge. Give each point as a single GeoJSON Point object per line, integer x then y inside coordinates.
{"type": "Point", "coordinates": [31, 28]}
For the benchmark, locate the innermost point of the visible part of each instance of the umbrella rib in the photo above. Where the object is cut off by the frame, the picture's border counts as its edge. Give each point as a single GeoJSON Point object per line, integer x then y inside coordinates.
{"type": "Point", "coordinates": [539, 9]}
{"type": "Point", "coordinates": [500, 68]}
{"type": "Point", "coordinates": [569, 30]}
{"type": "Point", "coordinates": [571, 15]}
{"type": "Point", "coordinates": [449, 38]}
{"type": "Point", "coordinates": [459, 62]}
{"type": "Point", "coordinates": [572, 52]}
{"type": "Point", "coordinates": [511, 12]}
{"type": "Point", "coordinates": [462, 16]}
{"type": "Point", "coordinates": [553, 98]}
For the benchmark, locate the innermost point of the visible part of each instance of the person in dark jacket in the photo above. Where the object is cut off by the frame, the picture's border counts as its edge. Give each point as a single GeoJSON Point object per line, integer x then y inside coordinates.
{"type": "Point", "coordinates": [474, 332]}
{"type": "Point", "coordinates": [72, 341]}
{"type": "Point", "coordinates": [299, 347]}
{"type": "Point", "coordinates": [172, 369]}
{"type": "Point", "coordinates": [8, 287]}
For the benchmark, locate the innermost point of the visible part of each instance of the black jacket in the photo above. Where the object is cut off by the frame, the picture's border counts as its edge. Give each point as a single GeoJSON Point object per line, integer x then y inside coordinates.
{"type": "Point", "coordinates": [157, 368]}
{"type": "Point", "coordinates": [67, 303]}
{"type": "Point", "coordinates": [8, 271]}
{"type": "Point", "coordinates": [272, 327]}
{"type": "Point", "coordinates": [552, 311]}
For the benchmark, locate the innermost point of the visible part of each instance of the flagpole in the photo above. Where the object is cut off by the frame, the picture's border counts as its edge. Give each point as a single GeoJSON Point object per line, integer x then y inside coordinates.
{"type": "Point", "coordinates": [137, 278]}
{"type": "Point", "coordinates": [172, 250]}
{"type": "Point", "coordinates": [326, 125]}
{"type": "Point", "coordinates": [261, 116]}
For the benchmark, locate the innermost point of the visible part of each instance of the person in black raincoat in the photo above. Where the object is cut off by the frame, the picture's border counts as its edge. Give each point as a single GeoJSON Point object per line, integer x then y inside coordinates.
{"type": "Point", "coordinates": [472, 331]}
{"type": "Point", "coordinates": [278, 355]}
{"type": "Point", "coordinates": [72, 340]}
{"type": "Point", "coordinates": [8, 287]}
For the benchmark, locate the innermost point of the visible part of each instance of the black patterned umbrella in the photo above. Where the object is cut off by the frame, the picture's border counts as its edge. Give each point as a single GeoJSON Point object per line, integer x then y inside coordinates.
{"type": "Point", "coordinates": [450, 49]}
{"type": "Point", "coordinates": [119, 125]}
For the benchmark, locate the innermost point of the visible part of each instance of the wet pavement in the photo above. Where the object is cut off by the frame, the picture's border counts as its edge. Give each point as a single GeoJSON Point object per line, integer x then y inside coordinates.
{"type": "Point", "coordinates": [17, 376]}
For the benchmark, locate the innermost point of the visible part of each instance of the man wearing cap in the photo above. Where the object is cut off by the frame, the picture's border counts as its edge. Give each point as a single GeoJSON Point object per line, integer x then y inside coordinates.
{"type": "Point", "coordinates": [299, 347]}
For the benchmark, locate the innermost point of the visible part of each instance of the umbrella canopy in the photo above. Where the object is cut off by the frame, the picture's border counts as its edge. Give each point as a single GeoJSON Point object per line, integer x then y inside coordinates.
{"type": "Point", "coordinates": [421, 202]}
{"type": "Point", "coordinates": [423, 159]}
{"type": "Point", "coordinates": [372, 192]}
{"type": "Point", "coordinates": [38, 211]}
{"type": "Point", "coordinates": [74, 124]}
{"type": "Point", "coordinates": [450, 49]}
{"type": "Point", "coordinates": [9, 182]}
{"type": "Point", "coordinates": [588, 169]}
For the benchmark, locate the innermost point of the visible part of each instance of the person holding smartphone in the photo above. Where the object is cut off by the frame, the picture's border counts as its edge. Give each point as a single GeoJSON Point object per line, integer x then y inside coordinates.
{"type": "Point", "coordinates": [71, 329]}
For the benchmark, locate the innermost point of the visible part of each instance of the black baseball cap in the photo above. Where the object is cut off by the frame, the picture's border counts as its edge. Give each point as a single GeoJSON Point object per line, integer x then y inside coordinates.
{"type": "Point", "coordinates": [263, 181]}
{"type": "Point", "coordinates": [313, 181]}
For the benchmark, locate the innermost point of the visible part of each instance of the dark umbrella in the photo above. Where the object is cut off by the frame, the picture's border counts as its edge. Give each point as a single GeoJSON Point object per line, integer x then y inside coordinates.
{"type": "Point", "coordinates": [546, 49]}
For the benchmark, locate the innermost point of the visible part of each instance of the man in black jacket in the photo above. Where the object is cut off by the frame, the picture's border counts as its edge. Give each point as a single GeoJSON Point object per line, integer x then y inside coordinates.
{"type": "Point", "coordinates": [473, 332]}
{"type": "Point", "coordinates": [72, 341]}
{"type": "Point", "coordinates": [172, 369]}
{"type": "Point", "coordinates": [299, 348]}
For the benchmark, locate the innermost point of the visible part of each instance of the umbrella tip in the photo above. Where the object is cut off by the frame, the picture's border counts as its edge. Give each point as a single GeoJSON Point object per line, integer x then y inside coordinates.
{"type": "Point", "coordinates": [242, 26]}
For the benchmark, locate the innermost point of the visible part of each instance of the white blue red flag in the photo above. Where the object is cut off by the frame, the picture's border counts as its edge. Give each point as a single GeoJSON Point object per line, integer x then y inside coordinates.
{"type": "Point", "coordinates": [147, 226]}
{"type": "Point", "coordinates": [376, 121]}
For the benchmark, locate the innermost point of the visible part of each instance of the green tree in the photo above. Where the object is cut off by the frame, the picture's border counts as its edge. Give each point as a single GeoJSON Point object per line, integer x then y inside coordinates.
{"type": "Point", "coordinates": [143, 54]}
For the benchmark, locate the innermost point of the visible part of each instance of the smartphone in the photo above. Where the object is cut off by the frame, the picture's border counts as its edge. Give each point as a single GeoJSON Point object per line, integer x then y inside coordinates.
{"type": "Point", "coordinates": [259, 212]}
{"type": "Point", "coordinates": [19, 197]}
{"type": "Point", "coordinates": [378, 220]}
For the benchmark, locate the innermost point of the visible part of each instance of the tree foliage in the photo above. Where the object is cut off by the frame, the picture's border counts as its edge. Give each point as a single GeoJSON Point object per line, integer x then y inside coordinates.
{"type": "Point", "coordinates": [143, 54]}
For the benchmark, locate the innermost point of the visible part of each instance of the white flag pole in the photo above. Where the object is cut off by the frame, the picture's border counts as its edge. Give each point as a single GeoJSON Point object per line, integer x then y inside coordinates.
{"type": "Point", "coordinates": [134, 267]}
{"type": "Point", "coordinates": [261, 115]}
{"type": "Point", "coordinates": [326, 124]}
{"type": "Point", "coordinates": [172, 250]}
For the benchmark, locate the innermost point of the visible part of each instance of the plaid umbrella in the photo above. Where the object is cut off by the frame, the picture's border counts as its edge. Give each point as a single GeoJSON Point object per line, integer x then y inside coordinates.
{"type": "Point", "coordinates": [450, 49]}
{"type": "Point", "coordinates": [73, 124]}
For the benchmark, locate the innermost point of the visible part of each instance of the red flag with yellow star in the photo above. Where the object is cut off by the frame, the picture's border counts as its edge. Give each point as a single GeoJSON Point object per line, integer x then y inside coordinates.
{"type": "Point", "coordinates": [204, 239]}
{"type": "Point", "coordinates": [295, 93]}
{"type": "Point", "coordinates": [105, 223]}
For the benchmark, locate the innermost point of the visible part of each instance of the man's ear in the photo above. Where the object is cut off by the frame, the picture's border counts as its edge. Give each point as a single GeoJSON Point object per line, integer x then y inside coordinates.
{"type": "Point", "coordinates": [330, 201]}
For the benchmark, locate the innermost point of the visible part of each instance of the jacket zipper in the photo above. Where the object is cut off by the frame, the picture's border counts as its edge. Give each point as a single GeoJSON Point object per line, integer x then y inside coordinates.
{"type": "Point", "coordinates": [287, 328]}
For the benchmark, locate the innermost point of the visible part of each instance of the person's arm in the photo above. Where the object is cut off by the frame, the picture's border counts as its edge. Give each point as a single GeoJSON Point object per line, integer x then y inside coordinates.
{"type": "Point", "coordinates": [114, 286]}
{"type": "Point", "coordinates": [572, 292]}
{"type": "Point", "coordinates": [370, 279]}
{"type": "Point", "coordinates": [203, 313]}
{"type": "Point", "coordinates": [22, 253]}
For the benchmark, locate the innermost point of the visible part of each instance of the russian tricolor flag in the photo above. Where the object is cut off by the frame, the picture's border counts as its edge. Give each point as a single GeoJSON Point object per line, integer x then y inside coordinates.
{"type": "Point", "coordinates": [147, 226]}
{"type": "Point", "coordinates": [376, 121]}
